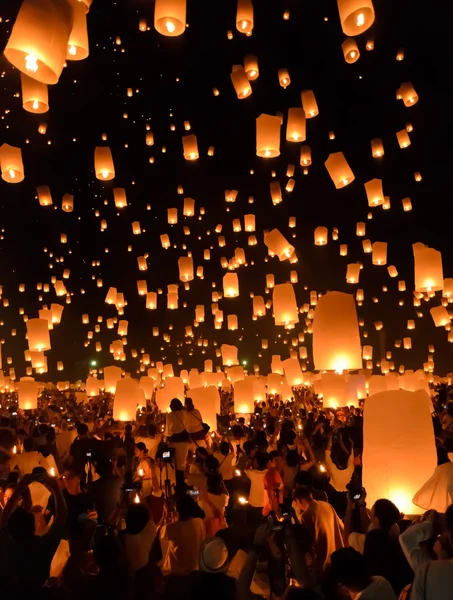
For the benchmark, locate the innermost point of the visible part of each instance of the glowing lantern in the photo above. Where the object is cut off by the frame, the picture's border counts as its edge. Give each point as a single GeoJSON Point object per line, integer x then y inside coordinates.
{"type": "Point", "coordinates": [232, 322]}
{"type": "Point", "coordinates": [67, 203]}
{"type": "Point", "coordinates": [251, 67]}
{"type": "Point", "coordinates": [207, 401]}
{"type": "Point", "coordinates": [92, 386]}
{"type": "Point", "coordinates": [305, 155]}
{"type": "Point", "coordinates": [350, 50]}
{"type": "Point", "coordinates": [165, 241]}
{"type": "Point", "coordinates": [428, 268]}
{"type": "Point", "coordinates": [339, 170]}
{"type": "Point", "coordinates": [379, 256]}
{"type": "Point", "coordinates": [185, 264]}
{"type": "Point", "coordinates": [189, 207]}
{"type": "Point", "coordinates": [296, 125]}
{"type": "Point", "coordinates": [136, 229]}
{"type": "Point", "coordinates": [448, 287]}
{"type": "Point", "coordinates": [407, 343]}
{"type": "Point", "coordinates": [11, 164]}
{"type": "Point", "coordinates": [367, 246]}
{"type": "Point", "coordinates": [249, 222]}
{"type": "Point", "coordinates": [27, 394]}
{"type": "Point", "coordinates": [321, 236]}
{"type": "Point", "coordinates": [35, 97]}
{"type": "Point", "coordinates": [377, 148]}
{"type": "Point", "coordinates": [172, 301]}
{"type": "Point", "coordinates": [44, 195]}
{"type": "Point", "coordinates": [172, 216]}
{"type": "Point", "coordinates": [170, 17]}
{"type": "Point", "coordinates": [56, 313]}
{"type": "Point", "coordinates": [293, 373]}
{"type": "Point", "coordinates": [38, 335]}
{"type": "Point", "coordinates": [244, 397]}
{"type": "Point", "coordinates": [353, 273]}
{"type": "Point", "coordinates": [276, 192]}
{"type": "Point", "coordinates": [336, 339]}
{"type": "Point", "coordinates": [259, 308]}
{"type": "Point", "coordinates": [268, 136]}
{"type": "Point", "coordinates": [270, 280]}
{"type": "Point", "coordinates": [244, 16]}
{"type": "Point", "coordinates": [403, 138]}
{"type": "Point", "coordinates": [78, 40]}
{"type": "Point", "coordinates": [240, 82]}
{"type": "Point", "coordinates": [385, 459]}
{"type": "Point", "coordinates": [127, 397]}
{"type": "Point", "coordinates": [112, 375]}
{"type": "Point", "coordinates": [278, 244]}
{"type": "Point", "coordinates": [440, 316]}
{"type": "Point", "coordinates": [407, 94]}
{"type": "Point", "coordinates": [367, 352]}
{"type": "Point", "coordinates": [119, 195]}
{"type": "Point", "coordinates": [284, 305]}
{"type": "Point", "coordinates": [309, 104]}
{"type": "Point", "coordinates": [142, 287]}
{"type": "Point", "coordinates": [190, 146]}
{"type": "Point", "coordinates": [103, 163]}
{"type": "Point", "coordinates": [343, 249]}
{"type": "Point", "coordinates": [39, 39]}
{"type": "Point", "coordinates": [229, 355]}
{"type": "Point", "coordinates": [356, 16]}
{"type": "Point", "coordinates": [284, 78]}
{"type": "Point", "coordinates": [230, 285]}
{"type": "Point", "coordinates": [374, 192]}
{"type": "Point", "coordinates": [111, 296]}
{"type": "Point", "coordinates": [392, 271]}
{"type": "Point", "coordinates": [151, 300]}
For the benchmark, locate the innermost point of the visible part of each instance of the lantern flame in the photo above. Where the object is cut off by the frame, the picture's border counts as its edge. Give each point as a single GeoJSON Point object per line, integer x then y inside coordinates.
{"type": "Point", "coordinates": [105, 173]}
{"type": "Point", "coordinates": [12, 174]}
{"type": "Point", "coordinates": [72, 50]}
{"type": "Point", "coordinates": [35, 105]}
{"type": "Point", "coordinates": [170, 27]}
{"type": "Point", "coordinates": [267, 153]}
{"type": "Point", "coordinates": [31, 63]}
{"type": "Point", "coordinates": [244, 25]}
{"type": "Point", "coordinates": [360, 20]}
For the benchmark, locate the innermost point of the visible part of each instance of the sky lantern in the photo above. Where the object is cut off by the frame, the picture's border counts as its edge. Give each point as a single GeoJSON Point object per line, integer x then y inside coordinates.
{"type": "Point", "coordinates": [92, 386]}
{"type": "Point", "coordinates": [448, 287]}
{"type": "Point", "coordinates": [392, 271]}
{"type": "Point", "coordinates": [103, 163]}
{"type": "Point", "coordinates": [78, 40]}
{"type": "Point", "coordinates": [305, 155]}
{"type": "Point", "coordinates": [38, 42]}
{"type": "Point", "coordinates": [229, 355]}
{"type": "Point", "coordinates": [353, 273]}
{"type": "Point", "coordinates": [67, 203]}
{"type": "Point", "coordinates": [56, 313]}
{"type": "Point", "coordinates": [374, 192]}
{"type": "Point", "coordinates": [268, 136]}
{"type": "Point", "coordinates": [44, 195]}
{"type": "Point", "coordinates": [27, 394]}
{"type": "Point", "coordinates": [410, 450]}
{"type": "Point", "coordinates": [259, 308]}
{"type": "Point", "coordinates": [407, 204]}
{"type": "Point", "coordinates": [142, 287]}
{"type": "Point", "coordinates": [172, 216]}
{"type": "Point", "coordinates": [276, 192]}
{"type": "Point", "coordinates": [232, 322]}
{"type": "Point", "coordinates": [172, 301]}
{"type": "Point", "coordinates": [403, 138]}
{"type": "Point", "coordinates": [249, 222]}
{"type": "Point", "coordinates": [119, 196]}
{"type": "Point", "coordinates": [296, 125]}
{"type": "Point", "coordinates": [278, 244]}
{"type": "Point", "coordinates": [284, 305]}
{"type": "Point", "coordinates": [189, 207]}
{"type": "Point", "coordinates": [284, 78]}
{"type": "Point", "coordinates": [407, 94]}
{"type": "Point", "coordinates": [165, 240]}
{"type": "Point", "coordinates": [170, 17]}
{"type": "Point", "coordinates": [38, 335]}
{"type": "Point", "coordinates": [190, 146]}
{"type": "Point", "coordinates": [35, 96]}
{"type": "Point", "coordinates": [339, 170]}
{"type": "Point", "coordinates": [440, 316]}
{"type": "Point", "coordinates": [356, 16]}
{"type": "Point", "coordinates": [350, 50]}
{"type": "Point", "coordinates": [428, 268]}
{"type": "Point", "coordinates": [293, 373]}
{"type": "Point", "coordinates": [379, 256]}
{"type": "Point", "coordinates": [321, 236]}
{"type": "Point", "coordinates": [11, 164]}
{"type": "Point", "coordinates": [309, 104]}
{"type": "Point", "coordinates": [244, 16]}
{"type": "Point", "coordinates": [243, 397]}
{"type": "Point", "coordinates": [111, 296]}
{"type": "Point", "coordinates": [230, 285]}
{"type": "Point", "coordinates": [185, 265]}
{"type": "Point", "coordinates": [377, 148]}
{"type": "Point", "coordinates": [251, 67]}
{"type": "Point", "coordinates": [136, 229]}
{"type": "Point", "coordinates": [336, 339]}
{"type": "Point", "coordinates": [112, 374]}
{"type": "Point", "coordinates": [333, 388]}
{"type": "Point", "coordinates": [207, 401]}
{"type": "Point", "coordinates": [128, 396]}
{"type": "Point", "coordinates": [240, 82]}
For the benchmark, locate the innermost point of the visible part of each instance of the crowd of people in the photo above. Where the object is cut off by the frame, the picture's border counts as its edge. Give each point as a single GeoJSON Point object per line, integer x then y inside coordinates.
{"type": "Point", "coordinates": [269, 505]}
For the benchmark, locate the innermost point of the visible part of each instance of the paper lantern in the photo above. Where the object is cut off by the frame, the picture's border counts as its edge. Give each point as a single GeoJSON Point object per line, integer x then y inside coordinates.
{"type": "Point", "coordinates": [268, 136]}
{"type": "Point", "coordinates": [410, 450]}
{"type": "Point", "coordinates": [67, 203]}
{"type": "Point", "coordinates": [321, 236]}
{"type": "Point", "coordinates": [374, 192]}
{"type": "Point", "coordinates": [243, 397]}
{"type": "Point", "coordinates": [407, 204]}
{"type": "Point", "coordinates": [39, 38]}
{"type": "Point", "coordinates": [448, 287]}
{"type": "Point", "coordinates": [350, 50]}
{"type": "Point", "coordinates": [56, 311]}
{"type": "Point", "coordinates": [407, 94]}
{"type": "Point", "coordinates": [276, 192]}
{"type": "Point", "coordinates": [333, 388]}
{"type": "Point", "coordinates": [111, 296]}
{"type": "Point", "coordinates": [44, 195]}
{"type": "Point", "coordinates": [127, 397]}
{"type": "Point", "coordinates": [38, 335]}
{"type": "Point", "coordinates": [278, 244]}
{"type": "Point", "coordinates": [112, 375]}
{"type": "Point", "coordinates": [27, 394]}
{"type": "Point", "coordinates": [165, 241]}
{"type": "Point", "coordinates": [119, 196]}
{"type": "Point", "coordinates": [189, 207]}
{"type": "Point", "coordinates": [353, 273]}
{"type": "Point", "coordinates": [407, 343]}
{"type": "Point", "coordinates": [240, 82]}
{"type": "Point", "coordinates": [284, 78]}
{"type": "Point", "coordinates": [403, 138]}
{"type": "Point", "coordinates": [356, 16]}
{"type": "Point", "coordinates": [336, 339]}
{"type": "Point", "coordinates": [244, 16]}
{"type": "Point", "coordinates": [305, 155]}
{"type": "Point", "coordinates": [232, 322]}
{"type": "Point", "coordinates": [190, 146]}
{"type": "Point", "coordinates": [259, 308]}
{"type": "Point", "coordinates": [428, 268]}
{"type": "Point", "coordinates": [11, 164]}
{"type": "Point", "coordinates": [136, 229]}
{"type": "Point", "coordinates": [103, 163]}
{"type": "Point", "coordinates": [296, 125]}
{"type": "Point", "coordinates": [309, 104]}
{"type": "Point", "coordinates": [284, 305]}
{"type": "Point", "coordinates": [367, 352]}
{"type": "Point", "coordinates": [440, 316]}
{"type": "Point", "coordinates": [92, 386]}
{"type": "Point", "coordinates": [172, 301]}
{"type": "Point", "coordinates": [249, 222]}
{"type": "Point", "coordinates": [170, 17]}
{"type": "Point", "coordinates": [251, 67]}
{"type": "Point", "coordinates": [339, 170]}
{"type": "Point", "coordinates": [230, 285]}
{"type": "Point", "coordinates": [293, 373]}
{"type": "Point", "coordinates": [207, 401]}
{"type": "Point", "coordinates": [229, 355]}
{"type": "Point", "coordinates": [379, 256]}
{"type": "Point", "coordinates": [35, 97]}
{"type": "Point", "coordinates": [78, 39]}
{"type": "Point", "coordinates": [392, 271]}
{"type": "Point", "coordinates": [377, 148]}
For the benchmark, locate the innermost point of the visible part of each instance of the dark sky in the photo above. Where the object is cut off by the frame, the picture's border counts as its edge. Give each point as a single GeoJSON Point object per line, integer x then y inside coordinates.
{"type": "Point", "coordinates": [176, 76]}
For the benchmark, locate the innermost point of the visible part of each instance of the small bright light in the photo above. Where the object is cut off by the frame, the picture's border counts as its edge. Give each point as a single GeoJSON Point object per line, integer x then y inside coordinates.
{"type": "Point", "coordinates": [244, 24]}
{"type": "Point", "coordinates": [12, 174]}
{"type": "Point", "coordinates": [252, 73]}
{"type": "Point", "coordinates": [31, 63]}
{"type": "Point", "coordinates": [52, 471]}
{"type": "Point", "coordinates": [243, 501]}
{"type": "Point", "coordinates": [244, 362]}
{"type": "Point", "coordinates": [93, 363]}
{"type": "Point", "coordinates": [352, 54]}
{"type": "Point", "coordinates": [35, 105]}
{"type": "Point", "coordinates": [105, 173]}
{"type": "Point", "coordinates": [170, 27]}
{"type": "Point", "coordinates": [360, 20]}
{"type": "Point", "coordinates": [267, 153]}
{"type": "Point", "coordinates": [322, 468]}
{"type": "Point", "coordinates": [137, 499]}
{"type": "Point", "coordinates": [72, 50]}
{"type": "Point", "coordinates": [238, 473]}
{"type": "Point", "coordinates": [14, 450]}
{"type": "Point", "coordinates": [141, 473]}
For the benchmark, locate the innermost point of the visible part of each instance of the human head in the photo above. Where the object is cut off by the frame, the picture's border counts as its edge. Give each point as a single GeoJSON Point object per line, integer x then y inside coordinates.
{"type": "Point", "coordinates": [21, 525]}
{"type": "Point", "coordinates": [211, 464]}
{"type": "Point", "coordinates": [261, 460]}
{"type": "Point", "coordinates": [348, 570]}
{"type": "Point", "coordinates": [276, 459]}
{"type": "Point", "coordinates": [82, 429]}
{"type": "Point", "coordinates": [292, 458]}
{"type": "Point", "coordinates": [28, 445]}
{"type": "Point", "coordinates": [72, 477]}
{"type": "Point", "coordinates": [140, 450]}
{"type": "Point", "coordinates": [9, 491]}
{"type": "Point", "coordinates": [201, 454]}
{"type": "Point", "coordinates": [214, 483]}
{"type": "Point", "coordinates": [188, 403]}
{"type": "Point", "coordinates": [384, 514]}
{"type": "Point", "coordinates": [302, 496]}
{"type": "Point", "coordinates": [176, 405]}
{"type": "Point", "coordinates": [185, 507]}
{"type": "Point", "coordinates": [137, 517]}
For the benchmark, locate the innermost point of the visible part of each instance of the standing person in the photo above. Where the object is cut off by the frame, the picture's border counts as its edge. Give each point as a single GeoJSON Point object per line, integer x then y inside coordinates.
{"type": "Point", "coordinates": [194, 424]}
{"type": "Point", "coordinates": [273, 484]}
{"type": "Point", "coordinates": [323, 524]}
{"type": "Point", "coordinates": [256, 495]}
{"type": "Point", "coordinates": [83, 447]}
{"type": "Point", "coordinates": [106, 491]}
{"type": "Point", "coordinates": [28, 460]}
{"type": "Point", "coordinates": [151, 441]}
{"type": "Point", "coordinates": [213, 502]}
{"type": "Point", "coordinates": [177, 438]}
{"type": "Point", "coordinates": [145, 471]}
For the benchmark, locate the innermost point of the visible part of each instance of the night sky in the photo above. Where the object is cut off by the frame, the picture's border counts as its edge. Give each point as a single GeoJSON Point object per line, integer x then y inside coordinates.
{"type": "Point", "coordinates": [173, 81]}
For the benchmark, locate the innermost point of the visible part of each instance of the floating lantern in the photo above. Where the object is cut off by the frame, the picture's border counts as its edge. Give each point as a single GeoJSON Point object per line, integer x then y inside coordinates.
{"type": "Point", "coordinates": [305, 155]}
{"type": "Point", "coordinates": [240, 82]}
{"type": "Point", "coordinates": [103, 163]}
{"type": "Point", "coordinates": [27, 394]}
{"type": "Point", "coordinates": [440, 316]}
{"type": "Point", "coordinates": [165, 241]}
{"type": "Point", "coordinates": [151, 300]}
{"type": "Point", "coordinates": [44, 195]}
{"type": "Point", "coordinates": [407, 343]}
{"type": "Point", "coordinates": [170, 17]}
{"type": "Point", "coordinates": [353, 273]}
{"type": "Point", "coordinates": [367, 352]}
{"type": "Point", "coordinates": [268, 136]}
{"type": "Point", "coordinates": [379, 253]}
{"type": "Point", "coordinates": [284, 78]}
{"type": "Point", "coordinates": [78, 39]}
{"type": "Point", "coordinates": [296, 125]}
{"type": "Point", "coordinates": [229, 355]}
{"type": "Point", "coordinates": [407, 204]}
{"type": "Point", "coordinates": [185, 264]}
{"type": "Point", "coordinates": [428, 268]}
{"type": "Point", "coordinates": [38, 335]}
{"type": "Point", "coordinates": [190, 146]}
{"type": "Point", "coordinates": [128, 396]}
{"type": "Point", "coordinates": [136, 229]}
{"type": "Point", "coordinates": [67, 203]}
{"type": "Point", "coordinates": [356, 16]}
{"type": "Point", "coordinates": [172, 216]}
{"type": "Point", "coordinates": [251, 67]}
{"type": "Point", "coordinates": [336, 339]}
{"type": "Point", "coordinates": [11, 164]}
{"type": "Point", "coordinates": [35, 96]}
{"type": "Point", "coordinates": [230, 285]}
{"type": "Point", "coordinates": [360, 229]}
{"type": "Point", "coordinates": [392, 271]}
{"type": "Point", "coordinates": [244, 16]}
{"type": "Point", "coordinates": [339, 170]}
{"type": "Point", "coordinates": [189, 207]}
{"type": "Point", "coordinates": [377, 148]}
{"type": "Point", "coordinates": [374, 192]}
{"type": "Point", "coordinates": [350, 51]}
{"type": "Point", "coordinates": [278, 244]}
{"type": "Point", "coordinates": [407, 94]}
{"type": "Point", "coordinates": [119, 195]}
{"type": "Point", "coordinates": [321, 236]}
{"type": "Point", "coordinates": [403, 138]}
{"type": "Point", "coordinates": [284, 305]}
{"type": "Point", "coordinates": [276, 192]}
{"type": "Point", "coordinates": [39, 39]}
{"type": "Point", "coordinates": [249, 222]}
{"type": "Point", "coordinates": [309, 104]}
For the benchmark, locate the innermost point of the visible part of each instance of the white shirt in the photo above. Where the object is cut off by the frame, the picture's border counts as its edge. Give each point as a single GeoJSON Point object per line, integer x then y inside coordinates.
{"type": "Point", "coordinates": [193, 420]}
{"type": "Point", "coordinates": [27, 461]}
{"type": "Point", "coordinates": [256, 496]}
{"type": "Point", "coordinates": [139, 546]}
{"type": "Point", "coordinates": [220, 501]}
{"type": "Point", "coordinates": [226, 465]}
{"type": "Point", "coordinates": [339, 478]}
{"type": "Point", "coordinates": [175, 422]}
{"type": "Point", "coordinates": [150, 443]}
{"type": "Point", "coordinates": [379, 589]}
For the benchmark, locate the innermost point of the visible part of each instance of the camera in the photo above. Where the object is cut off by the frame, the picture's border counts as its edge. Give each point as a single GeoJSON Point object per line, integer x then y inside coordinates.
{"type": "Point", "coordinates": [194, 494]}
{"type": "Point", "coordinates": [354, 491]}
{"type": "Point", "coordinates": [166, 453]}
